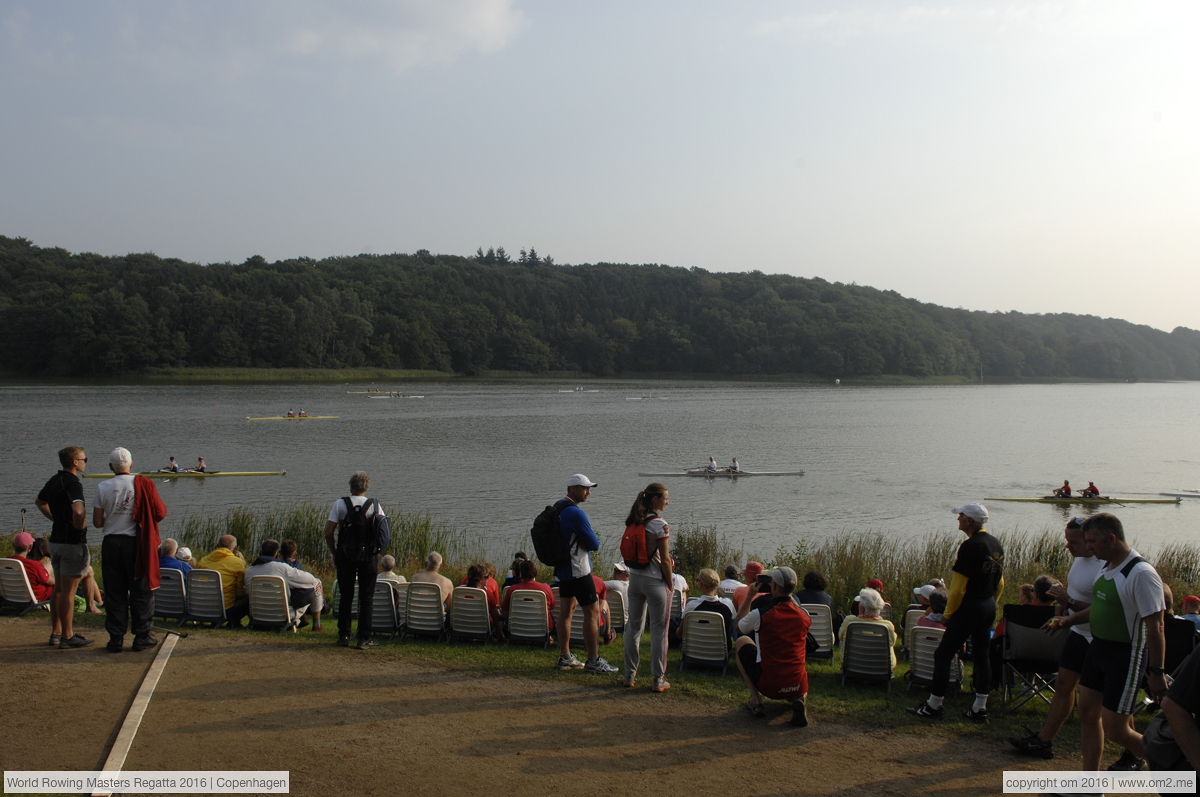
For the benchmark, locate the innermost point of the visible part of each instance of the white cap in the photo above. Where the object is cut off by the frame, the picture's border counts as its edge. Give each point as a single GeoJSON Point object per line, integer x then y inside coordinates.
{"type": "Point", "coordinates": [621, 567]}
{"type": "Point", "coordinates": [183, 554]}
{"type": "Point", "coordinates": [973, 510]}
{"type": "Point", "coordinates": [579, 480]}
{"type": "Point", "coordinates": [925, 591]}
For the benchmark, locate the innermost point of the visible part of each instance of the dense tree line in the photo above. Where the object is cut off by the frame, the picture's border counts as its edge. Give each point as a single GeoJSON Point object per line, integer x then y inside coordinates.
{"type": "Point", "coordinates": [66, 314]}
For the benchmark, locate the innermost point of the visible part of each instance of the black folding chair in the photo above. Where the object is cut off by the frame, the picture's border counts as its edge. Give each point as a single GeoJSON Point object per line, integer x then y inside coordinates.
{"type": "Point", "coordinates": [1029, 656]}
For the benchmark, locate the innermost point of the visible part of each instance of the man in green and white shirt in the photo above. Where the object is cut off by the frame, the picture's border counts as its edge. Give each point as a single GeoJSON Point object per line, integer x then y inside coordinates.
{"type": "Point", "coordinates": [1126, 620]}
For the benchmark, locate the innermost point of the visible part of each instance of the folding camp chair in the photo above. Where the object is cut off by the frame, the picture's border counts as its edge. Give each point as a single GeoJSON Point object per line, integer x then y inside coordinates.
{"type": "Point", "coordinates": [1182, 638]}
{"type": "Point", "coordinates": [205, 597]}
{"type": "Point", "coordinates": [383, 609]}
{"type": "Point", "coordinates": [15, 589]}
{"type": "Point", "coordinates": [924, 641]}
{"type": "Point", "coordinates": [866, 653]}
{"type": "Point", "coordinates": [170, 599]}
{"type": "Point", "coordinates": [821, 629]}
{"type": "Point", "coordinates": [1029, 656]}
{"type": "Point", "coordinates": [528, 620]}
{"type": "Point", "coordinates": [705, 641]}
{"type": "Point", "coordinates": [469, 617]}
{"type": "Point", "coordinates": [426, 614]}
{"type": "Point", "coordinates": [269, 606]}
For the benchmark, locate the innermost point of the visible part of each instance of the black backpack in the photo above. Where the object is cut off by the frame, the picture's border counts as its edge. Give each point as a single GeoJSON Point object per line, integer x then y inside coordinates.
{"type": "Point", "coordinates": [547, 538]}
{"type": "Point", "coordinates": [361, 537]}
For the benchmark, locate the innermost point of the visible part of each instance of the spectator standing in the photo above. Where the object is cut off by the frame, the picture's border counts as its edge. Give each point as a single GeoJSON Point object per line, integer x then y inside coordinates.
{"type": "Point", "coordinates": [773, 662]}
{"type": "Point", "coordinates": [575, 583]}
{"type": "Point", "coordinates": [1126, 621]}
{"type": "Point", "coordinates": [650, 589]}
{"type": "Point", "coordinates": [227, 560]}
{"type": "Point", "coordinates": [354, 557]}
{"type": "Point", "coordinates": [1073, 598]}
{"type": "Point", "coordinates": [977, 582]}
{"type": "Point", "coordinates": [61, 501]}
{"type": "Point", "coordinates": [128, 509]}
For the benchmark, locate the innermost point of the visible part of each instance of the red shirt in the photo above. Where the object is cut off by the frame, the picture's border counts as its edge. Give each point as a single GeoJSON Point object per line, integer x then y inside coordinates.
{"type": "Point", "coordinates": [532, 585]}
{"type": "Point", "coordinates": [601, 587]}
{"type": "Point", "coordinates": [783, 638]}
{"type": "Point", "coordinates": [39, 579]}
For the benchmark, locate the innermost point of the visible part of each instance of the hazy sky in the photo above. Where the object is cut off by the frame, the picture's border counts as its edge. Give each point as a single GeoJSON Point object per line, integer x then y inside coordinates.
{"type": "Point", "coordinates": [1042, 157]}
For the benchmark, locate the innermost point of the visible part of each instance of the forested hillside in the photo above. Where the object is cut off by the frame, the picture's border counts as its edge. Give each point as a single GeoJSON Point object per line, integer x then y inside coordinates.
{"type": "Point", "coordinates": [66, 314]}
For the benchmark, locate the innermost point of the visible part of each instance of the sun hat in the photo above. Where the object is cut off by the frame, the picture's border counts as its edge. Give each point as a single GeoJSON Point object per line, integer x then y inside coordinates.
{"type": "Point", "coordinates": [753, 570]}
{"type": "Point", "coordinates": [579, 480]}
{"type": "Point", "coordinates": [973, 510]}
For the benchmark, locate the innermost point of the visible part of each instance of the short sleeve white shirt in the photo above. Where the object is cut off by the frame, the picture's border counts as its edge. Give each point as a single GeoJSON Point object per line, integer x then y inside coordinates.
{"type": "Point", "coordinates": [338, 513]}
{"type": "Point", "coordinates": [115, 498]}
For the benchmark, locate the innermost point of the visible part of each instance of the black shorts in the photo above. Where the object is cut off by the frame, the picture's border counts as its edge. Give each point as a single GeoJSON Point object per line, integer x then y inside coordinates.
{"type": "Point", "coordinates": [1074, 650]}
{"type": "Point", "coordinates": [582, 589]}
{"type": "Point", "coordinates": [1115, 670]}
{"type": "Point", "coordinates": [748, 656]}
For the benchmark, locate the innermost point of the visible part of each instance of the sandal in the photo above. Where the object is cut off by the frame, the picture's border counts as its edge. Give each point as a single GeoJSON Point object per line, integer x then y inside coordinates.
{"type": "Point", "coordinates": [755, 710]}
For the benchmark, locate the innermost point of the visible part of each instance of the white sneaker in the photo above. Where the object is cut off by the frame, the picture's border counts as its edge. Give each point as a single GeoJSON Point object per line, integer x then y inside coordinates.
{"type": "Point", "coordinates": [598, 666]}
{"type": "Point", "coordinates": [569, 662]}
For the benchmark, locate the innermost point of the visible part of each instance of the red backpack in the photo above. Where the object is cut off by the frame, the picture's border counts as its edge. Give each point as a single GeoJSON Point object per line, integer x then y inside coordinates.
{"type": "Point", "coordinates": [634, 549]}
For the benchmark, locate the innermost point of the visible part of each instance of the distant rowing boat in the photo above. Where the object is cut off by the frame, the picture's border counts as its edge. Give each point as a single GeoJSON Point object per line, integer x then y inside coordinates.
{"type": "Point", "coordinates": [729, 473]}
{"type": "Point", "coordinates": [295, 418]}
{"type": "Point", "coordinates": [1184, 494]}
{"type": "Point", "coordinates": [193, 475]}
{"type": "Point", "coordinates": [1101, 500]}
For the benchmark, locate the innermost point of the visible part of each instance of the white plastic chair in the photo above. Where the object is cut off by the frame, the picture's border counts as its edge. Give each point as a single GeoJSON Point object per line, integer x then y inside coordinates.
{"type": "Point", "coordinates": [704, 640]}
{"type": "Point", "coordinates": [866, 653]}
{"type": "Point", "coordinates": [528, 620]}
{"type": "Point", "coordinates": [923, 643]}
{"type": "Point", "coordinates": [616, 608]}
{"type": "Point", "coordinates": [170, 599]}
{"type": "Point", "coordinates": [383, 609]}
{"type": "Point", "coordinates": [821, 628]}
{"type": "Point", "coordinates": [401, 591]}
{"type": "Point", "coordinates": [336, 604]}
{"type": "Point", "coordinates": [426, 614]}
{"type": "Point", "coordinates": [910, 623]}
{"type": "Point", "coordinates": [676, 604]}
{"type": "Point", "coordinates": [886, 612]}
{"type": "Point", "coordinates": [15, 588]}
{"type": "Point", "coordinates": [205, 597]}
{"type": "Point", "coordinates": [269, 607]}
{"type": "Point", "coordinates": [469, 618]}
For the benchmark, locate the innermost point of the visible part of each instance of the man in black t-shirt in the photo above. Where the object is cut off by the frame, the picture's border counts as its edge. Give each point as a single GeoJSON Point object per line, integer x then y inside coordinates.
{"type": "Point", "coordinates": [61, 501]}
{"type": "Point", "coordinates": [1181, 707]}
{"type": "Point", "coordinates": [970, 613]}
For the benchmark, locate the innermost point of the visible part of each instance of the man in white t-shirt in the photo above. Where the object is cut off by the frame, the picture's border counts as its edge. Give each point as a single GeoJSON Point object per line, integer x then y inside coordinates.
{"type": "Point", "coordinates": [1126, 623]}
{"type": "Point", "coordinates": [354, 558]}
{"type": "Point", "coordinates": [730, 582]}
{"type": "Point", "coordinates": [1073, 598]}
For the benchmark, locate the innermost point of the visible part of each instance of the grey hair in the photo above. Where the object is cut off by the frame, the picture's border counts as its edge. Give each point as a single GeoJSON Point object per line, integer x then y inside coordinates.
{"type": "Point", "coordinates": [388, 562]}
{"type": "Point", "coordinates": [227, 541]}
{"type": "Point", "coordinates": [870, 601]}
{"type": "Point", "coordinates": [168, 547]}
{"type": "Point", "coordinates": [120, 458]}
{"type": "Point", "coordinates": [433, 560]}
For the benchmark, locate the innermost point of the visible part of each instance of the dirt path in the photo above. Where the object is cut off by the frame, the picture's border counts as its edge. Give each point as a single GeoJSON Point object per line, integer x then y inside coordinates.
{"type": "Point", "coordinates": [345, 720]}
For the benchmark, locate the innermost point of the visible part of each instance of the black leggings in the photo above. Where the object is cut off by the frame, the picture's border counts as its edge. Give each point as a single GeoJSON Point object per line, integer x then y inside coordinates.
{"type": "Point", "coordinates": [973, 621]}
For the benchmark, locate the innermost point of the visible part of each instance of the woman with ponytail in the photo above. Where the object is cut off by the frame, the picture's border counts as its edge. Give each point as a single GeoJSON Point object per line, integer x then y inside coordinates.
{"type": "Point", "coordinates": [649, 589]}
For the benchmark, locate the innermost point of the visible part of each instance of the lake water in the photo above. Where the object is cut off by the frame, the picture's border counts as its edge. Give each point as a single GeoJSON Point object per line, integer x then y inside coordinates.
{"type": "Point", "coordinates": [485, 457]}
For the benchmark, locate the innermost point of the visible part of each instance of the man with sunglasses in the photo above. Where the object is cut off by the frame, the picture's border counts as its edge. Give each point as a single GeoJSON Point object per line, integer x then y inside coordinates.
{"type": "Point", "coordinates": [61, 501]}
{"type": "Point", "coordinates": [1073, 598]}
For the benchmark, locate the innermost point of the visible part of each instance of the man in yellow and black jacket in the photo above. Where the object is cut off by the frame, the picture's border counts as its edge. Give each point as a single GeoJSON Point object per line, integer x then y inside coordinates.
{"type": "Point", "coordinates": [970, 613]}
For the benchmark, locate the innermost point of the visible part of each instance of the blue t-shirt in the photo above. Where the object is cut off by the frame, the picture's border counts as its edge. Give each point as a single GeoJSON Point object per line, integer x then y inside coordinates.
{"type": "Point", "coordinates": [174, 564]}
{"type": "Point", "coordinates": [579, 538]}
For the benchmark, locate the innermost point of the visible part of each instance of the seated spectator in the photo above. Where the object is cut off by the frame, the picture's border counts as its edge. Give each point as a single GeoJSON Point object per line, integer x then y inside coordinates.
{"type": "Point", "coordinates": [1038, 595]}
{"type": "Point", "coordinates": [93, 599]}
{"type": "Point", "coordinates": [304, 589]}
{"type": "Point", "coordinates": [731, 583]}
{"type": "Point", "coordinates": [680, 583]}
{"type": "Point", "coordinates": [514, 570]}
{"type": "Point", "coordinates": [288, 554]}
{"type": "Point", "coordinates": [709, 601]}
{"type": "Point", "coordinates": [815, 585]}
{"type": "Point", "coordinates": [934, 617]}
{"type": "Point", "coordinates": [228, 561]}
{"type": "Point", "coordinates": [387, 570]}
{"type": "Point", "coordinates": [874, 584]}
{"type": "Point", "coordinates": [1025, 595]}
{"type": "Point", "coordinates": [477, 578]}
{"type": "Point", "coordinates": [1169, 599]}
{"type": "Point", "coordinates": [870, 605]}
{"type": "Point", "coordinates": [430, 575]}
{"type": "Point", "coordinates": [620, 580]}
{"type": "Point", "coordinates": [41, 580]}
{"type": "Point", "coordinates": [489, 582]}
{"type": "Point", "coordinates": [1190, 609]}
{"type": "Point", "coordinates": [920, 601]}
{"type": "Point", "coordinates": [528, 580]}
{"type": "Point", "coordinates": [185, 555]}
{"type": "Point", "coordinates": [750, 588]}
{"type": "Point", "coordinates": [166, 556]}
{"type": "Point", "coordinates": [773, 662]}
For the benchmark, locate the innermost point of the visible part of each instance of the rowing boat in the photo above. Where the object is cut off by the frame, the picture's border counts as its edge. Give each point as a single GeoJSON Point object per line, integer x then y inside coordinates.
{"type": "Point", "coordinates": [1184, 494]}
{"type": "Point", "coordinates": [193, 474]}
{"type": "Point", "coordinates": [1091, 501]}
{"type": "Point", "coordinates": [296, 418]}
{"type": "Point", "coordinates": [729, 473]}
